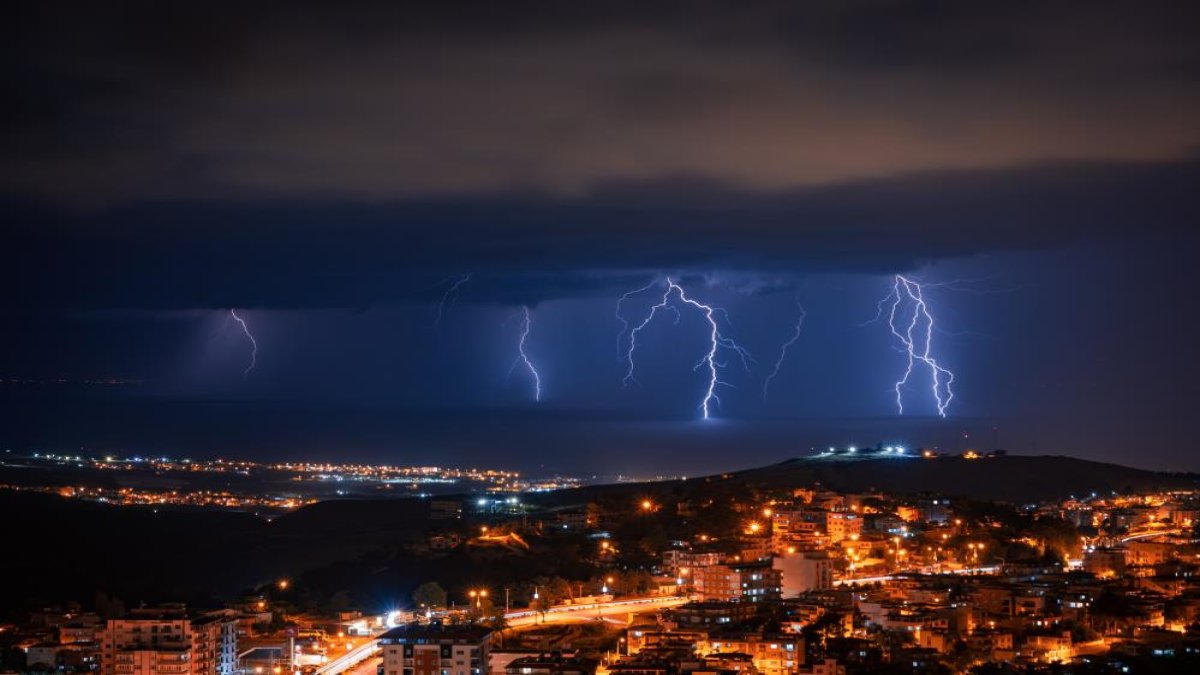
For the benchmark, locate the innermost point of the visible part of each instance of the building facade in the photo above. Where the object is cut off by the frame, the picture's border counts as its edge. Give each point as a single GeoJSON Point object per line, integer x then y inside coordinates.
{"type": "Point", "coordinates": [738, 583]}
{"type": "Point", "coordinates": [436, 650]}
{"type": "Point", "coordinates": [169, 641]}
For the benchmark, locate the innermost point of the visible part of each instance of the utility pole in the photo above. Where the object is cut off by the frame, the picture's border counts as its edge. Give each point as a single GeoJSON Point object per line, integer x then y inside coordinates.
{"type": "Point", "coordinates": [506, 601]}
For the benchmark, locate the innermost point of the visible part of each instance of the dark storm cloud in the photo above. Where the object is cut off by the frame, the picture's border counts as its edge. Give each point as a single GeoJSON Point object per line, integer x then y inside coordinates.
{"type": "Point", "coordinates": [290, 154]}
{"type": "Point", "coordinates": [198, 101]}
{"type": "Point", "coordinates": [531, 248]}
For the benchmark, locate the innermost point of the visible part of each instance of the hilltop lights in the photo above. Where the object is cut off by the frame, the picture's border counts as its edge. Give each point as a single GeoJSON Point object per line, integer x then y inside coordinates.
{"type": "Point", "coordinates": [879, 450]}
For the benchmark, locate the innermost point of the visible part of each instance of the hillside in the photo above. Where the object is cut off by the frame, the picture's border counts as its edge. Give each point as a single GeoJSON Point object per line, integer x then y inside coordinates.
{"type": "Point", "coordinates": [70, 548]}
{"type": "Point", "coordinates": [1011, 478]}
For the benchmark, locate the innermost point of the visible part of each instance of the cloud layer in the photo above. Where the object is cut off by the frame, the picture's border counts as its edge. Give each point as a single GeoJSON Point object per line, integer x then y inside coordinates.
{"type": "Point", "coordinates": [378, 102]}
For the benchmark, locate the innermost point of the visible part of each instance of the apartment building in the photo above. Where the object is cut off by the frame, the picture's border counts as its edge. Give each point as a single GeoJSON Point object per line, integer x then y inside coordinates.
{"type": "Point", "coordinates": [753, 582]}
{"type": "Point", "coordinates": [436, 650]}
{"type": "Point", "coordinates": [169, 641]}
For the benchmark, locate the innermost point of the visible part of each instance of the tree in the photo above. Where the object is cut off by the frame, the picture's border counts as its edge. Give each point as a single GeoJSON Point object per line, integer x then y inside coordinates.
{"type": "Point", "coordinates": [430, 594]}
{"type": "Point", "coordinates": [543, 603]}
{"type": "Point", "coordinates": [340, 601]}
{"type": "Point", "coordinates": [499, 622]}
{"type": "Point", "coordinates": [109, 608]}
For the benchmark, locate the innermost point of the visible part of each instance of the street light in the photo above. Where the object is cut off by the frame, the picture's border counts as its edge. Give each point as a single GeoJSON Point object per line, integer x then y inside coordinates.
{"type": "Point", "coordinates": [478, 597]}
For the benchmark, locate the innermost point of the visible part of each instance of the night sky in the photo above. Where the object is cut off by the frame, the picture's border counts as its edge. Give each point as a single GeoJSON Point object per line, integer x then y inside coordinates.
{"type": "Point", "coordinates": [329, 170]}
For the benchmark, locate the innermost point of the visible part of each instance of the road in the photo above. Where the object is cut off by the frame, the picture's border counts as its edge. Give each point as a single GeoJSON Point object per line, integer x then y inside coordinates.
{"type": "Point", "coordinates": [1151, 533]}
{"type": "Point", "coordinates": [590, 612]}
{"type": "Point", "coordinates": [341, 664]}
{"type": "Point", "coordinates": [989, 569]}
{"type": "Point", "coordinates": [367, 667]}
{"type": "Point", "coordinates": [358, 660]}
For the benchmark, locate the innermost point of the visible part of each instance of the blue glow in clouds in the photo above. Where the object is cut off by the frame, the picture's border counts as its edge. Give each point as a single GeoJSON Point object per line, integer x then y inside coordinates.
{"type": "Point", "coordinates": [253, 344]}
{"type": "Point", "coordinates": [716, 341]}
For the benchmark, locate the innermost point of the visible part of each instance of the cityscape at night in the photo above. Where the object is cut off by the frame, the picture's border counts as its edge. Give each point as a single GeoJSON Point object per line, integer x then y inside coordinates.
{"type": "Point", "coordinates": [521, 337]}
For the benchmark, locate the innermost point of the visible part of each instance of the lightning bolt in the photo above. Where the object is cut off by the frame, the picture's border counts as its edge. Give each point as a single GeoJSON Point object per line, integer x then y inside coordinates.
{"type": "Point", "coordinates": [450, 296]}
{"type": "Point", "coordinates": [717, 341]}
{"type": "Point", "coordinates": [622, 319]}
{"type": "Point", "coordinates": [253, 343]}
{"type": "Point", "coordinates": [523, 358]}
{"type": "Point", "coordinates": [784, 349]}
{"type": "Point", "coordinates": [907, 294]}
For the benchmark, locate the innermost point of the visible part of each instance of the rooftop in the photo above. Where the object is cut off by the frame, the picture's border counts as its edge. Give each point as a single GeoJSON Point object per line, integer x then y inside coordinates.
{"type": "Point", "coordinates": [414, 633]}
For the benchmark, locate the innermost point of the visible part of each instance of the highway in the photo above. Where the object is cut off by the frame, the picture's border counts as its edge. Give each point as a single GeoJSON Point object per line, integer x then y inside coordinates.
{"type": "Point", "coordinates": [591, 611]}
{"type": "Point", "coordinates": [1151, 533]}
{"type": "Point", "coordinates": [988, 569]}
{"type": "Point", "coordinates": [350, 659]}
{"type": "Point", "coordinates": [367, 667]}
{"type": "Point", "coordinates": [358, 661]}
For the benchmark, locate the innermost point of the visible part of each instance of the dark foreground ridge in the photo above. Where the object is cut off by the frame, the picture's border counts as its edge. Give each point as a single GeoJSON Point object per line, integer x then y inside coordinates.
{"type": "Point", "coordinates": [69, 548]}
